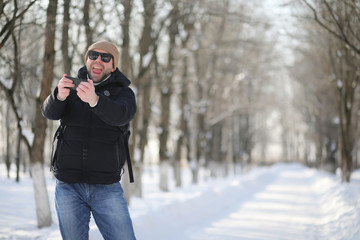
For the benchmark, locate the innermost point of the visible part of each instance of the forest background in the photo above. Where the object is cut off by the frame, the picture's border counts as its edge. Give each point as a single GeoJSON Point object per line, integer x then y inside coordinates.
{"type": "Point", "coordinates": [220, 85]}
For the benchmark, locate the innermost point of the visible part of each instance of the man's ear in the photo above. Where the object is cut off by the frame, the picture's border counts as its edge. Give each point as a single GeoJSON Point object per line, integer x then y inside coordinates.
{"type": "Point", "coordinates": [114, 67]}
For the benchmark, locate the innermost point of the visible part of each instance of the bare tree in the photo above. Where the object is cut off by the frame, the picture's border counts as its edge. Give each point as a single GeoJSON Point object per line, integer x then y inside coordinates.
{"type": "Point", "coordinates": [148, 46]}
{"type": "Point", "coordinates": [166, 93]}
{"type": "Point", "coordinates": [317, 105]}
{"type": "Point", "coordinates": [17, 77]}
{"type": "Point", "coordinates": [34, 140]}
{"type": "Point", "coordinates": [219, 97]}
{"type": "Point", "coordinates": [213, 151]}
{"type": "Point", "coordinates": [67, 60]}
{"type": "Point", "coordinates": [126, 65]}
{"type": "Point", "coordinates": [88, 29]}
{"type": "Point", "coordinates": [8, 20]}
{"type": "Point", "coordinates": [183, 140]}
{"type": "Point", "coordinates": [37, 159]}
{"type": "Point", "coordinates": [143, 82]}
{"type": "Point", "coordinates": [8, 143]}
{"type": "Point", "coordinates": [341, 20]}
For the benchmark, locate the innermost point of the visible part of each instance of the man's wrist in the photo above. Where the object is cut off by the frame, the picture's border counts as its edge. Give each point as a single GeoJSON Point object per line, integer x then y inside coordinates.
{"type": "Point", "coordinates": [59, 98]}
{"type": "Point", "coordinates": [93, 104]}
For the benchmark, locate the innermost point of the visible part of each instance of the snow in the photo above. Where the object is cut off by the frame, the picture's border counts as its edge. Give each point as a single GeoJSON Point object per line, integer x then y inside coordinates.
{"type": "Point", "coordinates": [6, 82]}
{"type": "Point", "coordinates": [29, 135]}
{"type": "Point", "coordinates": [146, 59]}
{"type": "Point", "coordinates": [284, 201]}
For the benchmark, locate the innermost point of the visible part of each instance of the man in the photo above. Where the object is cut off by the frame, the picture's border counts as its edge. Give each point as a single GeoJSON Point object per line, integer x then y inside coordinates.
{"type": "Point", "coordinates": [91, 147]}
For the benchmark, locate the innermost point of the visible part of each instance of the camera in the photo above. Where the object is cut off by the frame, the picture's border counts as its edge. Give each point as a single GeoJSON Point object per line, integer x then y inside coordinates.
{"type": "Point", "coordinates": [76, 81]}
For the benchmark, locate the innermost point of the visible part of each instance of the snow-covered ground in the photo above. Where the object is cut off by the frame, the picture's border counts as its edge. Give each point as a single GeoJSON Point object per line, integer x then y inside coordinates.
{"type": "Point", "coordinates": [285, 201]}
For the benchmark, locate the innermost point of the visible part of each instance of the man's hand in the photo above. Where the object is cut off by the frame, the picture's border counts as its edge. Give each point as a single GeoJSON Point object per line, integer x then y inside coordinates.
{"type": "Point", "coordinates": [63, 88]}
{"type": "Point", "coordinates": [86, 92]}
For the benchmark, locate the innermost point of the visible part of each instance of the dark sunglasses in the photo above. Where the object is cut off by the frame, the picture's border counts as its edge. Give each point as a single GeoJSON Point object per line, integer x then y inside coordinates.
{"type": "Point", "coordinates": [105, 57]}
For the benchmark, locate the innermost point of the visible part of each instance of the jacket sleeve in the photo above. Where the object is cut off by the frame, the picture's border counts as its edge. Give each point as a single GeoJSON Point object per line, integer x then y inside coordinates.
{"type": "Point", "coordinates": [119, 111]}
{"type": "Point", "coordinates": [52, 108]}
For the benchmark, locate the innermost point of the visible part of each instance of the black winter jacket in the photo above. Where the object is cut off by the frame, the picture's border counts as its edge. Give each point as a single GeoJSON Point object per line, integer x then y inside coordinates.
{"type": "Point", "coordinates": [91, 148]}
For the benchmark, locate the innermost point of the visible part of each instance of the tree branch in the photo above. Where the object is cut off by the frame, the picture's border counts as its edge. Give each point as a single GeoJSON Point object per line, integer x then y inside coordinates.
{"type": "Point", "coordinates": [342, 36]}
{"type": "Point", "coordinates": [10, 25]}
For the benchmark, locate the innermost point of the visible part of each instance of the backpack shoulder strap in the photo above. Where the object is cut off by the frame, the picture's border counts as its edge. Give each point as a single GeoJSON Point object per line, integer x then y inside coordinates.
{"type": "Point", "coordinates": [125, 130]}
{"type": "Point", "coordinates": [57, 135]}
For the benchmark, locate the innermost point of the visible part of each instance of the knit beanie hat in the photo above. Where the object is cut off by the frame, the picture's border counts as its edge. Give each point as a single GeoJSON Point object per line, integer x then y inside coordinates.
{"type": "Point", "coordinates": [105, 46]}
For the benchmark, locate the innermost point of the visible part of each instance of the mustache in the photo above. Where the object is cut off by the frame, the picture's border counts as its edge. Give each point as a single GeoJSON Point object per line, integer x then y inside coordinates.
{"type": "Point", "coordinates": [97, 64]}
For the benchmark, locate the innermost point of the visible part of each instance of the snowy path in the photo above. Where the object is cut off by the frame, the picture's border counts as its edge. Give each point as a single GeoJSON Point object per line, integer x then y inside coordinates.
{"type": "Point", "coordinates": [282, 202]}
{"type": "Point", "coordinates": [286, 208]}
{"type": "Point", "coordinates": [278, 203]}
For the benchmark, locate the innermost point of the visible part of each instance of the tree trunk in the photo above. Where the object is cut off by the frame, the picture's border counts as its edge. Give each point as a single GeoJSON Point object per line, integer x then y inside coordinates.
{"type": "Point", "coordinates": [346, 165]}
{"type": "Point", "coordinates": [43, 211]}
{"type": "Point", "coordinates": [346, 144]}
{"type": "Point", "coordinates": [214, 154]}
{"type": "Point", "coordinates": [18, 156]}
{"type": "Point", "coordinates": [145, 121]}
{"type": "Point", "coordinates": [7, 154]}
{"type": "Point", "coordinates": [37, 151]}
{"type": "Point", "coordinates": [166, 92]}
{"type": "Point", "coordinates": [184, 138]}
{"type": "Point", "coordinates": [143, 83]}
{"type": "Point", "coordinates": [88, 29]}
{"type": "Point", "coordinates": [66, 59]}
{"type": "Point", "coordinates": [346, 96]}
{"type": "Point", "coordinates": [17, 79]}
{"type": "Point", "coordinates": [126, 62]}
{"type": "Point", "coordinates": [200, 119]}
{"type": "Point", "coordinates": [183, 133]}
{"type": "Point", "coordinates": [126, 70]}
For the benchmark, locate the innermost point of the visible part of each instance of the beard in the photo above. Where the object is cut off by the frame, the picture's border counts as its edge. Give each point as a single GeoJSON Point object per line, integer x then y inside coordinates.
{"type": "Point", "coordinates": [105, 76]}
{"type": "Point", "coordinates": [98, 72]}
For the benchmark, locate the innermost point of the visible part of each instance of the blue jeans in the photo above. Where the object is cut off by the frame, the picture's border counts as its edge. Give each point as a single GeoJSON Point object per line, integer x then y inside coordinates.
{"type": "Point", "coordinates": [75, 201]}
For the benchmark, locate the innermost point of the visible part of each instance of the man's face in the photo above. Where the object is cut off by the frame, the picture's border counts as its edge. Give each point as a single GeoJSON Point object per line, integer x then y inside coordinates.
{"type": "Point", "coordinates": [98, 69]}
